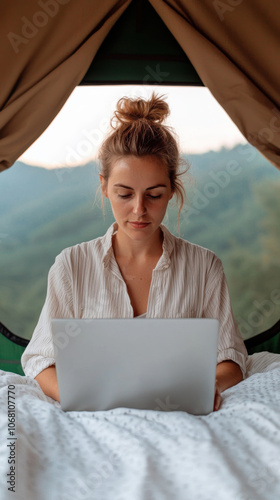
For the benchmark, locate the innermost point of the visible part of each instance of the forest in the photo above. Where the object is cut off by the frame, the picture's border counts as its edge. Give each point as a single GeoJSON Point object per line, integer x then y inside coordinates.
{"type": "Point", "coordinates": [232, 208]}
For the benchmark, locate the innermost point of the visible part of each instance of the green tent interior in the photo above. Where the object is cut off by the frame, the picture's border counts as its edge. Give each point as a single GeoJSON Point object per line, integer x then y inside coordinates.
{"type": "Point", "coordinates": [139, 49]}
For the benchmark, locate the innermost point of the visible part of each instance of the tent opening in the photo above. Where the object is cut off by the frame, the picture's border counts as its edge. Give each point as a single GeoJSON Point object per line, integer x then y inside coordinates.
{"type": "Point", "coordinates": [140, 49]}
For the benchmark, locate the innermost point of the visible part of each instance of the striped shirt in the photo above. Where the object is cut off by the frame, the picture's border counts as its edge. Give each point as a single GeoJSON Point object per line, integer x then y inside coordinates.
{"type": "Point", "coordinates": [85, 282]}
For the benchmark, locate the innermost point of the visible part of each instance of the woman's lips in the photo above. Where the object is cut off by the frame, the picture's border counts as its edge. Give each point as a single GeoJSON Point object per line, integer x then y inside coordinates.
{"type": "Point", "coordinates": [139, 225]}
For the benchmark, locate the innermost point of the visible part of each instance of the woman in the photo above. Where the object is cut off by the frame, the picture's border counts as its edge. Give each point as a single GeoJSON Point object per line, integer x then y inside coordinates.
{"type": "Point", "coordinates": [138, 267]}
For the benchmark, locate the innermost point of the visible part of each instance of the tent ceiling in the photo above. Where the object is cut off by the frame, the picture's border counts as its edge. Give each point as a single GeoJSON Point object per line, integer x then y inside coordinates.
{"type": "Point", "coordinates": [140, 50]}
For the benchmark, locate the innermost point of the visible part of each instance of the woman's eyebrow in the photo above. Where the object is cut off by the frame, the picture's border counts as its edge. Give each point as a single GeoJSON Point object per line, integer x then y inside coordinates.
{"type": "Point", "coordinates": [128, 187]}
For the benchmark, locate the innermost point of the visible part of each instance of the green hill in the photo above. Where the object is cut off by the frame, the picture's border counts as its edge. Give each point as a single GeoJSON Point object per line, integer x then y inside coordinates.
{"type": "Point", "coordinates": [232, 207]}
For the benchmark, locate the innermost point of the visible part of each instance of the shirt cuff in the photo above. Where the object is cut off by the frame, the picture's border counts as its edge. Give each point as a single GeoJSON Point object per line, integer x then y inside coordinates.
{"type": "Point", "coordinates": [233, 355]}
{"type": "Point", "coordinates": [36, 364]}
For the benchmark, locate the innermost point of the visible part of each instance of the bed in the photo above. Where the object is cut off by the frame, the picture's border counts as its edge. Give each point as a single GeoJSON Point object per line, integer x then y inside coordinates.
{"type": "Point", "coordinates": [129, 454]}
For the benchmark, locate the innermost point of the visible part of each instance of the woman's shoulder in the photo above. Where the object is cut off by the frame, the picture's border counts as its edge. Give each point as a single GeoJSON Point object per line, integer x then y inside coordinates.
{"type": "Point", "coordinates": [198, 250]}
{"type": "Point", "coordinates": [184, 247]}
{"type": "Point", "coordinates": [199, 259]}
{"type": "Point", "coordinates": [92, 250]}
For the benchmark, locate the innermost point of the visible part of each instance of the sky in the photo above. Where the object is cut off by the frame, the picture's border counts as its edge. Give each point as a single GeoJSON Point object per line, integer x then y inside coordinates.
{"type": "Point", "coordinates": [74, 136]}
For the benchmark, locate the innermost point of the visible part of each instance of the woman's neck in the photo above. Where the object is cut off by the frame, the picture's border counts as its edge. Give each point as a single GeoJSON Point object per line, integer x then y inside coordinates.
{"type": "Point", "coordinates": [125, 247]}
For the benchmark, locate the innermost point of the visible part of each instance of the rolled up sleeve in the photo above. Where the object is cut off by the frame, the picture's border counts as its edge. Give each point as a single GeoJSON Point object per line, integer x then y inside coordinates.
{"type": "Point", "coordinates": [217, 305]}
{"type": "Point", "coordinates": [39, 354]}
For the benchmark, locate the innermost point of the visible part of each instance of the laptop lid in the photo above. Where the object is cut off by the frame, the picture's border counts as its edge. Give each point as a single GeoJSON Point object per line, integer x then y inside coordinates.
{"type": "Point", "coordinates": [156, 364]}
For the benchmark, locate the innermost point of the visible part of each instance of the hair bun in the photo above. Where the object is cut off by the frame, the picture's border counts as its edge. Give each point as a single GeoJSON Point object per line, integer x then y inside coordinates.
{"type": "Point", "coordinates": [153, 110]}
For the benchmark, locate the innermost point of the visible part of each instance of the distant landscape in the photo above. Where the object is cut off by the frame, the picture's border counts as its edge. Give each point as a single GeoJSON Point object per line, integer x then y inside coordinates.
{"type": "Point", "coordinates": [233, 208]}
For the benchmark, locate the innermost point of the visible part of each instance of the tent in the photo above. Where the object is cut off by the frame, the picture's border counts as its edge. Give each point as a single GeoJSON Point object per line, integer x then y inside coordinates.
{"type": "Point", "coordinates": [49, 47]}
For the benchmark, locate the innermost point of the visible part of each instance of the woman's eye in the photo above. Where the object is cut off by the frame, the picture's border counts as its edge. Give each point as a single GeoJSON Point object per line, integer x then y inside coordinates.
{"type": "Point", "coordinates": [149, 196]}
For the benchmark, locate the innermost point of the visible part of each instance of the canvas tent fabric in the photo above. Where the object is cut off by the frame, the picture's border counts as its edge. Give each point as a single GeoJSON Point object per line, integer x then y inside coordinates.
{"type": "Point", "coordinates": [46, 48]}
{"type": "Point", "coordinates": [48, 45]}
{"type": "Point", "coordinates": [234, 47]}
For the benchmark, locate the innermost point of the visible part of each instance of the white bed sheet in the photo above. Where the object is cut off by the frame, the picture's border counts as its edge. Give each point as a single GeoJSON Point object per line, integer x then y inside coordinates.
{"type": "Point", "coordinates": [122, 454]}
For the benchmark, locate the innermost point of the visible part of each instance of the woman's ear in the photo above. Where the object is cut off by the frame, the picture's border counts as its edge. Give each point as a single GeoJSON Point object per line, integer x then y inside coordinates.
{"type": "Point", "coordinates": [103, 185]}
{"type": "Point", "coordinates": [171, 196]}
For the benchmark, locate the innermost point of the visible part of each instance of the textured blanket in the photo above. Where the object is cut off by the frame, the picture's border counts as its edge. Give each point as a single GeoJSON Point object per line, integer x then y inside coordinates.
{"type": "Point", "coordinates": [129, 454]}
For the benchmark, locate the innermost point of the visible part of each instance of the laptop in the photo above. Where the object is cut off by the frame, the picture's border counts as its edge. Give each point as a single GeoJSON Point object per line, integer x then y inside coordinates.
{"type": "Point", "coordinates": [151, 364]}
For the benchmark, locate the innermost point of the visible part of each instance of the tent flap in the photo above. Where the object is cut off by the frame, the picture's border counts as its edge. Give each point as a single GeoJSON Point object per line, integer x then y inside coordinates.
{"type": "Point", "coordinates": [234, 48]}
{"type": "Point", "coordinates": [47, 47]}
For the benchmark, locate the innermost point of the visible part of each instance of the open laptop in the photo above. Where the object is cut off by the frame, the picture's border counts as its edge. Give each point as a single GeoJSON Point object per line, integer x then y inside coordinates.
{"type": "Point", "coordinates": [155, 364]}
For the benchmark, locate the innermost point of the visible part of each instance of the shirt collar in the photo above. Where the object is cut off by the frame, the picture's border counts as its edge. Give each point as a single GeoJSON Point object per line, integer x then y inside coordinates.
{"type": "Point", "coordinates": [107, 243]}
{"type": "Point", "coordinates": [167, 246]}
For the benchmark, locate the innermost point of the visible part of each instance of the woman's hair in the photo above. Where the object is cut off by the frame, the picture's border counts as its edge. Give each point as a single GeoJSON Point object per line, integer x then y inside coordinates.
{"type": "Point", "coordinates": [137, 130]}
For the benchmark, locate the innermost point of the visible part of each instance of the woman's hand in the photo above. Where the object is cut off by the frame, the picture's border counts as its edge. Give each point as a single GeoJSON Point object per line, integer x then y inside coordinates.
{"type": "Point", "coordinates": [218, 397]}
{"type": "Point", "coordinates": [228, 373]}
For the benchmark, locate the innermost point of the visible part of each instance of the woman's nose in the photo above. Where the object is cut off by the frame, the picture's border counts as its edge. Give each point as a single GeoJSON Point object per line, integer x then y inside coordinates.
{"type": "Point", "coordinates": [139, 206]}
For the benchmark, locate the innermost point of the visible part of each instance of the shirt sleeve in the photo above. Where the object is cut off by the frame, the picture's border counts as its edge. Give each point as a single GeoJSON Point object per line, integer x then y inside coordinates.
{"type": "Point", "coordinates": [39, 353]}
{"type": "Point", "coordinates": [217, 305]}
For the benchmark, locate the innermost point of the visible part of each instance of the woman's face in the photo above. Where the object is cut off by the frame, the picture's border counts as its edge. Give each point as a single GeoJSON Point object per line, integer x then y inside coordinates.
{"type": "Point", "coordinates": [139, 191]}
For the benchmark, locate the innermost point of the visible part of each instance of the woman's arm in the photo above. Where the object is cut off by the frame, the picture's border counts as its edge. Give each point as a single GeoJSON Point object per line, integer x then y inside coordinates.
{"type": "Point", "coordinates": [40, 351]}
{"type": "Point", "coordinates": [228, 373]}
{"type": "Point", "coordinates": [47, 380]}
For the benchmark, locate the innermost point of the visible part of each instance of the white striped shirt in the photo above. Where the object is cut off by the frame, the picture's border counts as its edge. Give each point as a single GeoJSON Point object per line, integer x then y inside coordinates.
{"type": "Point", "coordinates": [85, 282]}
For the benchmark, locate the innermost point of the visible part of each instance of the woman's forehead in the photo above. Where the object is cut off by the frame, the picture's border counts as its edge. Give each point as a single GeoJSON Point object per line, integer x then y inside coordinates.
{"type": "Point", "coordinates": [139, 167]}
